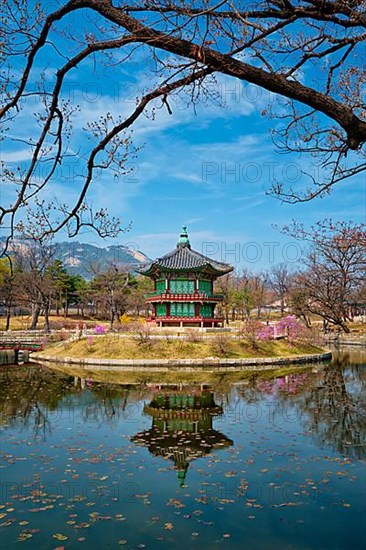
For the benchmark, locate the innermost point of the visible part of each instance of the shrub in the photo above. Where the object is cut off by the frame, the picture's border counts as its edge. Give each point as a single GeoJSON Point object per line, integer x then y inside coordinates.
{"type": "Point", "coordinates": [250, 331]}
{"type": "Point", "coordinates": [62, 336]}
{"type": "Point", "coordinates": [292, 328]}
{"type": "Point", "coordinates": [57, 325]}
{"type": "Point", "coordinates": [193, 336]}
{"type": "Point", "coordinates": [125, 319]}
{"type": "Point", "coordinates": [221, 344]}
{"type": "Point", "coordinates": [266, 333]}
{"type": "Point", "coordinates": [142, 334]}
{"type": "Point", "coordinates": [100, 329]}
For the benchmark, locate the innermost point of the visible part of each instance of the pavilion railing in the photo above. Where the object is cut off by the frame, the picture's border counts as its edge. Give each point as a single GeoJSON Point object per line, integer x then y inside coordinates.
{"type": "Point", "coordinates": [185, 296]}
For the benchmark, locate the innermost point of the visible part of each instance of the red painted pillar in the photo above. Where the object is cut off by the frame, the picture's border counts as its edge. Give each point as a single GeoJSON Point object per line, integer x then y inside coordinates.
{"type": "Point", "coordinates": [196, 310]}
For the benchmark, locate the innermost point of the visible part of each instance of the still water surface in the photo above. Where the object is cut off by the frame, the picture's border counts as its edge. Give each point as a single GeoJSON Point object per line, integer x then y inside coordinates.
{"type": "Point", "coordinates": [265, 464]}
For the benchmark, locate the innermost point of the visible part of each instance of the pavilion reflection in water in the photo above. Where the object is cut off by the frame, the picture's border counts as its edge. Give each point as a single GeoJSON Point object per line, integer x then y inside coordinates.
{"type": "Point", "coordinates": [182, 427]}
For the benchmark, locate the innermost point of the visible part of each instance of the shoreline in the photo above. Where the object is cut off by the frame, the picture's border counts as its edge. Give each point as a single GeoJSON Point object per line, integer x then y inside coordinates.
{"type": "Point", "coordinates": [215, 363]}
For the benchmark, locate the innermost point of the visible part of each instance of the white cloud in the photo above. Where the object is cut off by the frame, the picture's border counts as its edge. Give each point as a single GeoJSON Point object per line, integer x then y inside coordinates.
{"type": "Point", "coordinates": [16, 156]}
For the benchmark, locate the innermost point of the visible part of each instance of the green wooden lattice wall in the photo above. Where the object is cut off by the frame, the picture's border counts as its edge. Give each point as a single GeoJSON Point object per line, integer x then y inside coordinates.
{"type": "Point", "coordinates": [206, 310]}
{"type": "Point", "coordinates": [205, 286]}
{"type": "Point", "coordinates": [160, 286]}
{"type": "Point", "coordinates": [181, 310]}
{"type": "Point", "coordinates": [161, 310]}
{"type": "Point", "coordinates": [182, 286]}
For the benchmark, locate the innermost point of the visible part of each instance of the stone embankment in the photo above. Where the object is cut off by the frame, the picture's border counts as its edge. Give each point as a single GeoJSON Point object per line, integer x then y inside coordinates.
{"type": "Point", "coordinates": [213, 363]}
{"type": "Point", "coordinates": [352, 339]}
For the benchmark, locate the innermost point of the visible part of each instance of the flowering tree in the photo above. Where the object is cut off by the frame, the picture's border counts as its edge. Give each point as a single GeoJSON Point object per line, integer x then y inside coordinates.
{"type": "Point", "coordinates": [266, 333]}
{"type": "Point", "coordinates": [291, 327]}
{"type": "Point", "coordinates": [253, 332]}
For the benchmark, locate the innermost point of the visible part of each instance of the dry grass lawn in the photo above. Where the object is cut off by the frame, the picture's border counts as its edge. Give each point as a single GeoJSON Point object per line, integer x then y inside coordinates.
{"type": "Point", "coordinates": [113, 347]}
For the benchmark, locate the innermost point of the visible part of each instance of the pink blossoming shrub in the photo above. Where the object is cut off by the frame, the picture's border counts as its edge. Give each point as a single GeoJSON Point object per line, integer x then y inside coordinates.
{"type": "Point", "coordinates": [100, 329]}
{"type": "Point", "coordinates": [292, 328]}
{"type": "Point", "coordinates": [266, 333]}
{"type": "Point", "coordinates": [253, 332]}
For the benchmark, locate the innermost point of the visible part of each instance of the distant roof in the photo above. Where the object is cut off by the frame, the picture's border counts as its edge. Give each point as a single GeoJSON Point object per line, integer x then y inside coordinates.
{"type": "Point", "coordinates": [183, 258]}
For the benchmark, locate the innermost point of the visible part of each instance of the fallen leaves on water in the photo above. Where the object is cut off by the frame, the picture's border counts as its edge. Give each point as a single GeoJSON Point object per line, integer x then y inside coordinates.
{"type": "Point", "coordinates": [60, 536]}
{"type": "Point", "coordinates": [286, 504]}
{"type": "Point", "coordinates": [176, 503]}
{"type": "Point", "coordinates": [25, 535]}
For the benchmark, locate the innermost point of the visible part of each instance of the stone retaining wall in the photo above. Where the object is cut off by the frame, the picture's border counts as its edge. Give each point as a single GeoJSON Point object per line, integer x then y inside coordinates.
{"type": "Point", "coordinates": [350, 340]}
{"type": "Point", "coordinates": [216, 364]}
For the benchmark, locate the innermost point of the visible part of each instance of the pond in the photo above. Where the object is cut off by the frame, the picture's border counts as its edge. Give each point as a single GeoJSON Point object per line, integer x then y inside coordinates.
{"type": "Point", "coordinates": [268, 463]}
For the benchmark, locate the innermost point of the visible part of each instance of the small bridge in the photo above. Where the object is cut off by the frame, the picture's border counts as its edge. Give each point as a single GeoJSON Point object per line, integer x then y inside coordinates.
{"type": "Point", "coordinates": [21, 345]}
{"type": "Point", "coordinates": [15, 351]}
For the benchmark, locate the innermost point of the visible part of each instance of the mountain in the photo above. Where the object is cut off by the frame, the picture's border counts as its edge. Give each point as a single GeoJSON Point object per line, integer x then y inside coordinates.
{"type": "Point", "coordinates": [78, 258]}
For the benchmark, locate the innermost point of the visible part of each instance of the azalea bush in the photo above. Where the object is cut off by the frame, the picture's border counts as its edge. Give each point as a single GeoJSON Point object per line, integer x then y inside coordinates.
{"type": "Point", "coordinates": [292, 328]}
{"type": "Point", "coordinates": [253, 332]}
{"type": "Point", "coordinates": [100, 329]}
{"type": "Point", "coordinates": [266, 333]}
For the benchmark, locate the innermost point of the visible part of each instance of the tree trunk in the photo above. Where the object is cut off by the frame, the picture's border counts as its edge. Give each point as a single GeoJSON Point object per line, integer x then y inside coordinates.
{"type": "Point", "coordinates": [47, 317]}
{"type": "Point", "coordinates": [36, 310]}
{"type": "Point", "coordinates": [282, 307]}
{"type": "Point", "coordinates": [306, 320]}
{"type": "Point", "coordinates": [8, 315]}
{"type": "Point", "coordinates": [111, 318]}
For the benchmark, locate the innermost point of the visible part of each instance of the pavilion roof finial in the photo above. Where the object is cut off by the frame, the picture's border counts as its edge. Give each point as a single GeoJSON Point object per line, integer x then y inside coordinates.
{"type": "Point", "coordinates": [183, 238]}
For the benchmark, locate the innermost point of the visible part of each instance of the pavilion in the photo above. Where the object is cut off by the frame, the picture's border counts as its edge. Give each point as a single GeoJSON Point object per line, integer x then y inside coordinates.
{"type": "Point", "coordinates": [183, 287]}
{"type": "Point", "coordinates": [182, 427]}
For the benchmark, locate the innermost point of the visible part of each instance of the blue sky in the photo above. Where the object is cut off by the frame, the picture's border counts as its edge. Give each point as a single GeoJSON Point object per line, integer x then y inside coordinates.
{"type": "Point", "coordinates": [207, 167]}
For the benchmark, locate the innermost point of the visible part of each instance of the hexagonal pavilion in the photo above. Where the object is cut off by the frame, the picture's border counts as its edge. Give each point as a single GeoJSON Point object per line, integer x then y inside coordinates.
{"type": "Point", "coordinates": [183, 281]}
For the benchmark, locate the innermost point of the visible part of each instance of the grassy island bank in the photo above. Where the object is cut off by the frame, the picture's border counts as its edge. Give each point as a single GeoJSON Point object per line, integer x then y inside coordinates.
{"type": "Point", "coordinates": [112, 347]}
